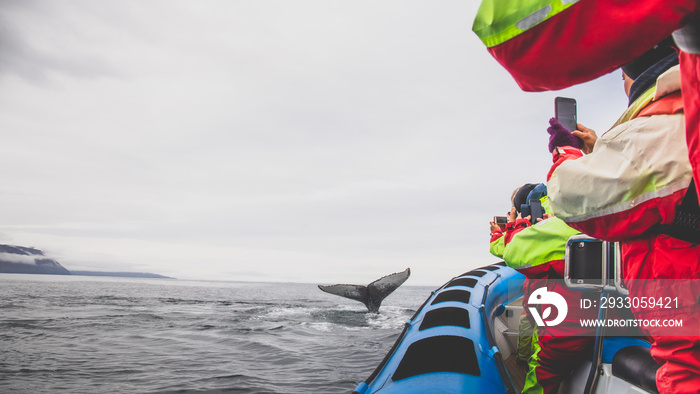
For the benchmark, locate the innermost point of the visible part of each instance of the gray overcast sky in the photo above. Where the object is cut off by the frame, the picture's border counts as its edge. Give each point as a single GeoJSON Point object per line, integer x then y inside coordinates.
{"type": "Point", "coordinates": [267, 140]}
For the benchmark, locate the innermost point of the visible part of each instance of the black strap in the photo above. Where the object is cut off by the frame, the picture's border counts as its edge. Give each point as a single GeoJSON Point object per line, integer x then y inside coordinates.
{"type": "Point", "coordinates": [552, 274]}
{"type": "Point", "coordinates": [686, 224]}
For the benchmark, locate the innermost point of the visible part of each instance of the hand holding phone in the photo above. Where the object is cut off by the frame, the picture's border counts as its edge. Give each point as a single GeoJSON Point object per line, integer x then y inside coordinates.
{"type": "Point", "coordinates": [536, 211]}
{"type": "Point", "coordinates": [588, 137]}
{"type": "Point", "coordinates": [500, 221]}
{"type": "Point", "coordinates": [524, 210]}
{"type": "Point", "coordinates": [561, 127]}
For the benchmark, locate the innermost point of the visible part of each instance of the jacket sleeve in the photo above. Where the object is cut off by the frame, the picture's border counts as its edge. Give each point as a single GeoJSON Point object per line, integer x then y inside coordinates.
{"type": "Point", "coordinates": [497, 244]}
{"type": "Point", "coordinates": [513, 228]}
{"type": "Point", "coordinates": [632, 181]}
{"type": "Point", "coordinates": [535, 245]}
{"type": "Point", "coordinates": [562, 154]}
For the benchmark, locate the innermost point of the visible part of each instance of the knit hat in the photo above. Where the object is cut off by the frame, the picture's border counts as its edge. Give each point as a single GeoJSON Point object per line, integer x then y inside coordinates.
{"type": "Point", "coordinates": [637, 66]}
{"type": "Point", "coordinates": [538, 192]}
{"type": "Point", "coordinates": [521, 196]}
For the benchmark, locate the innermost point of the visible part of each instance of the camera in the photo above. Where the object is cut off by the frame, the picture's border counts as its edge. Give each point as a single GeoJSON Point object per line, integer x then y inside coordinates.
{"type": "Point", "coordinates": [501, 221]}
{"type": "Point", "coordinates": [534, 210]}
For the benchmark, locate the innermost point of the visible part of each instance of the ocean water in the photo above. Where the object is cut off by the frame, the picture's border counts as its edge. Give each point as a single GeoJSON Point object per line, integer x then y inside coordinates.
{"type": "Point", "coordinates": [77, 334]}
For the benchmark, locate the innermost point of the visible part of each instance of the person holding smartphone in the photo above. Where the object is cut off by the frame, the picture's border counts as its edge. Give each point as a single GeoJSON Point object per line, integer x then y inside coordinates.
{"type": "Point", "coordinates": [537, 251]}
{"type": "Point", "coordinates": [526, 330]}
{"type": "Point", "coordinates": [498, 225]}
{"type": "Point", "coordinates": [634, 187]}
{"type": "Point", "coordinates": [496, 244]}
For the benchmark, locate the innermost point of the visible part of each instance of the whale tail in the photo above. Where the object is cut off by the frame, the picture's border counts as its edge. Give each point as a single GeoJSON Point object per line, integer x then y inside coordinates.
{"type": "Point", "coordinates": [374, 293]}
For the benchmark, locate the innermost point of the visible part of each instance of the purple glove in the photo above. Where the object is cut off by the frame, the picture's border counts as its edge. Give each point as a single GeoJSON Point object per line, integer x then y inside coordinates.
{"type": "Point", "coordinates": [560, 136]}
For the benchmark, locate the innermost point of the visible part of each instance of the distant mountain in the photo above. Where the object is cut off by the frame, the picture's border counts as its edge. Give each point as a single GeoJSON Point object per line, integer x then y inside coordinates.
{"type": "Point", "coordinates": [23, 260]}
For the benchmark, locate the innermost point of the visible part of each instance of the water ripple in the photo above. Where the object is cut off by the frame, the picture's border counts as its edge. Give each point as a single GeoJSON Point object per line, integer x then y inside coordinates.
{"type": "Point", "coordinates": [83, 336]}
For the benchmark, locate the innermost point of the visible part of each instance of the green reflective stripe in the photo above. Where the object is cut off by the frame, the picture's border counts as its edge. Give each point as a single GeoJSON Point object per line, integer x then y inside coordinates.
{"type": "Point", "coordinates": [497, 21]}
{"type": "Point", "coordinates": [538, 244]}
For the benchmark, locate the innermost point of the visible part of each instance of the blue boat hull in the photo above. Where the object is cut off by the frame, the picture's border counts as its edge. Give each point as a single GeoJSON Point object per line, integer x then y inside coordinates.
{"type": "Point", "coordinates": [447, 346]}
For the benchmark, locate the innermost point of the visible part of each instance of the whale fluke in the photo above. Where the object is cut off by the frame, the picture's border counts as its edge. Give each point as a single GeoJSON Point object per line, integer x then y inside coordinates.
{"type": "Point", "coordinates": [374, 293]}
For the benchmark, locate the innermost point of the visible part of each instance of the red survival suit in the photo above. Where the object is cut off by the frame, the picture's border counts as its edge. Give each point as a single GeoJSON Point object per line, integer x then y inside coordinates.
{"type": "Point", "coordinates": [538, 251]}
{"type": "Point", "coordinates": [634, 180]}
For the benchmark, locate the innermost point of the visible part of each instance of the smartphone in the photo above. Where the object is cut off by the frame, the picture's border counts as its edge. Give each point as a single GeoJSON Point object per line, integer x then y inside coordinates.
{"type": "Point", "coordinates": [501, 221]}
{"type": "Point", "coordinates": [565, 112]}
{"type": "Point", "coordinates": [536, 211]}
{"type": "Point", "coordinates": [524, 210]}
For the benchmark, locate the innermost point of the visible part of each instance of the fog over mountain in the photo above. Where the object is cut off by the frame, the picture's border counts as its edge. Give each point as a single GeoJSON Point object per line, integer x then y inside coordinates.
{"type": "Point", "coordinates": [24, 260]}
